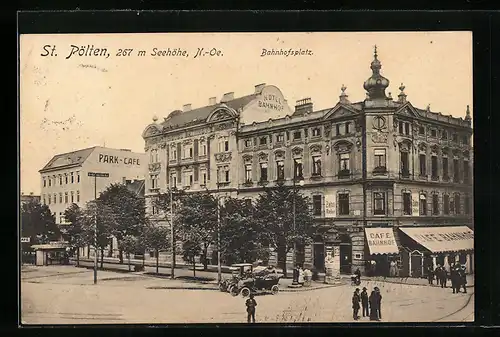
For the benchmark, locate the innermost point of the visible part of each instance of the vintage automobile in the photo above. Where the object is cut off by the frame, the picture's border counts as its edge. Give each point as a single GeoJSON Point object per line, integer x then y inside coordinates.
{"type": "Point", "coordinates": [245, 281]}
{"type": "Point", "coordinates": [239, 271]}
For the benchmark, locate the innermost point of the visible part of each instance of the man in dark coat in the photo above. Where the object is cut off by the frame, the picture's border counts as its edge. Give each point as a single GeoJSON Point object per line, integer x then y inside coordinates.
{"type": "Point", "coordinates": [375, 301]}
{"type": "Point", "coordinates": [430, 274]}
{"type": "Point", "coordinates": [355, 304]}
{"type": "Point", "coordinates": [463, 278]}
{"type": "Point", "coordinates": [455, 282]}
{"type": "Point", "coordinates": [251, 304]}
{"type": "Point", "coordinates": [364, 302]}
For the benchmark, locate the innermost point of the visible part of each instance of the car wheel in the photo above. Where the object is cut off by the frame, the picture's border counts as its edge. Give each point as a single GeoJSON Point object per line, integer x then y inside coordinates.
{"type": "Point", "coordinates": [275, 289]}
{"type": "Point", "coordinates": [234, 291]}
{"type": "Point", "coordinates": [245, 292]}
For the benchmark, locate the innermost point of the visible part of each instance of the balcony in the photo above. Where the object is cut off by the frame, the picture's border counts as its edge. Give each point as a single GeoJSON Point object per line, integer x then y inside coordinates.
{"type": "Point", "coordinates": [263, 182]}
{"type": "Point", "coordinates": [316, 176]}
{"type": "Point", "coordinates": [248, 183]}
{"type": "Point", "coordinates": [379, 170]}
{"type": "Point", "coordinates": [405, 174]}
{"type": "Point", "coordinates": [435, 178]}
{"type": "Point", "coordinates": [422, 176]}
{"type": "Point", "coordinates": [223, 184]}
{"type": "Point", "coordinates": [344, 174]}
{"type": "Point", "coordinates": [154, 167]}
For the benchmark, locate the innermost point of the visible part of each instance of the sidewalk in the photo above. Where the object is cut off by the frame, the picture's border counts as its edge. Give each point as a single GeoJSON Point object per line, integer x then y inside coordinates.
{"type": "Point", "coordinates": [206, 280]}
{"type": "Point", "coordinates": [414, 281]}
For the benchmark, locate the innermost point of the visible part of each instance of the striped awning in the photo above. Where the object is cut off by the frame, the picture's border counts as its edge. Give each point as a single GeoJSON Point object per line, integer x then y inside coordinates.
{"type": "Point", "coordinates": [381, 240]}
{"type": "Point", "coordinates": [442, 239]}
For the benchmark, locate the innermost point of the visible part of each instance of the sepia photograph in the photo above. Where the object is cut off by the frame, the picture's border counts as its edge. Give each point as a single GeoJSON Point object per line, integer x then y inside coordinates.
{"type": "Point", "coordinates": [284, 177]}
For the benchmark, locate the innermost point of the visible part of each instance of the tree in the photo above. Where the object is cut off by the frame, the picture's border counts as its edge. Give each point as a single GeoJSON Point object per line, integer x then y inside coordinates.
{"type": "Point", "coordinates": [198, 216]}
{"type": "Point", "coordinates": [96, 210]}
{"type": "Point", "coordinates": [129, 245]}
{"type": "Point", "coordinates": [129, 212]}
{"type": "Point", "coordinates": [274, 211]}
{"type": "Point", "coordinates": [157, 239]}
{"type": "Point", "coordinates": [77, 237]}
{"type": "Point", "coordinates": [191, 248]}
{"type": "Point", "coordinates": [38, 223]}
{"type": "Point", "coordinates": [162, 202]}
{"type": "Point", "coordinates": [242, 238]}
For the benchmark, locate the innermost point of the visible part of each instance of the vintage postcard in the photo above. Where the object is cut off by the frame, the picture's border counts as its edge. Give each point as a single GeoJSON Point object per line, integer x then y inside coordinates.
{"type": "Point", "coordinates": [246, 178]}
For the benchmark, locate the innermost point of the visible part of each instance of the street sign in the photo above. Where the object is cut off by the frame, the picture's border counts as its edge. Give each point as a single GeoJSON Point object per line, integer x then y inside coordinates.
{"type": "Point", "coordinates": [25, 239]}
{"type": "Point", "coordinates": [98, 174]}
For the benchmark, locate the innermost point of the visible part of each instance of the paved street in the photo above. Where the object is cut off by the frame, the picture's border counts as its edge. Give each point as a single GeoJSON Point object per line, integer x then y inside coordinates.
{"type": "Point", "coordinates": [66, 295]}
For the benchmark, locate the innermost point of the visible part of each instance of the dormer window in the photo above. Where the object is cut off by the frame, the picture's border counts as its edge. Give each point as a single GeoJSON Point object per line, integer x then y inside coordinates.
{"type": "Point", "coordinates": [248, 142]}
{"type": "Point", "coordinates": [280, 138]}
{"type": "Point", "coordinates": [297, 135]}
{"type": "Point", "coordinates": [263, 140]}
{"type": "Point", "coordinates": [316, 132]}
{"type": "Point", "coordinates": [421, 130]}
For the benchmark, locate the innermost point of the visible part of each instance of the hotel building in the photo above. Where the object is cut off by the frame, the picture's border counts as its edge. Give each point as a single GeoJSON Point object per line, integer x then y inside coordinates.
{"type": "Point", "coordinates": [388, 181]}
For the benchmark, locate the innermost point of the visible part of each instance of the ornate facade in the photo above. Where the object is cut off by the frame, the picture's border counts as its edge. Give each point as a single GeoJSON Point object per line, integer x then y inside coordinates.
{"type": "Point", "coordinates": [376, 163]}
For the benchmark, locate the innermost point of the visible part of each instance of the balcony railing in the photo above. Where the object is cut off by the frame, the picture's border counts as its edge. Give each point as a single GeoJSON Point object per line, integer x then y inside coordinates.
{"type": "Point", "coordinates": [344, 174]}
{"type": "Point", "coordinates": [380, 170]}
{"type": "Point", "coordinates": [434, 178]}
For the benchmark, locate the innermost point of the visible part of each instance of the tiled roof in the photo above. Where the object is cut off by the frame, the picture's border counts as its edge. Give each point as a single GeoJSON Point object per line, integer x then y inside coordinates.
{"type": "Point", "coordinates": [70, 158]}
{"type": "Point", "coordinates": [199, 115]}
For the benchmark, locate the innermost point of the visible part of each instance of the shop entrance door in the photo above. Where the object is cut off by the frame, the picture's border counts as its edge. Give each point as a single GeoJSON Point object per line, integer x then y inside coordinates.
{"type": "Point", "coordinates": [416, 264]}
{"type": "Point", "coordinates": [345, 254]}
{"type": "Point", "coordinates": [319, 256]}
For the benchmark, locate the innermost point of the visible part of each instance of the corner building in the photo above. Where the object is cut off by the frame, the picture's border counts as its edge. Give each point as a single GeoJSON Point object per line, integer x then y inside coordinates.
{"type": "Point", "coordinates": [65, 180]}
{"type": "Point", "coordinates": [388, 181]}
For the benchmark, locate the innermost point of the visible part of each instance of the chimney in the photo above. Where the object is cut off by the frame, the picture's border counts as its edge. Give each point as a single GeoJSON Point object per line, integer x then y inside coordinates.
{"type": "Point", "coordinates": [229, 96]}
{"type": "Point", "coordinates": [259, 87]}
{"type": "Point", "coordinates": [212, 101]}
{"type": "Point", "coordinates": [303, 106]}
{"type": "Point", "coordinates": [186, 107]}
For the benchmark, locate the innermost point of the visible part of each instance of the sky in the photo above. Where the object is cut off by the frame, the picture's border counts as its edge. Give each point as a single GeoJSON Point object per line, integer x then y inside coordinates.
{"type": "Point", "coordinates": [72, 103]}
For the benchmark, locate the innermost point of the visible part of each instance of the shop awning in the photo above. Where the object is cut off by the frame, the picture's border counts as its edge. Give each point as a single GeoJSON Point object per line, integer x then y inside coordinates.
{"type": "Point", "coordinates": [381, 240]}
{"type": "Point", "coordinates": [442, 239]}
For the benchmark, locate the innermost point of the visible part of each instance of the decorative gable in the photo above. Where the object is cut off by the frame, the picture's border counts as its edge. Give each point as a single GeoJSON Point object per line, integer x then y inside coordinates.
{"type": "Point", "coordinates": [407, 110]}
{"type": "Point", "coordinates": [151, 130]}
{"type": "Point", "coordinates": [340, 110]}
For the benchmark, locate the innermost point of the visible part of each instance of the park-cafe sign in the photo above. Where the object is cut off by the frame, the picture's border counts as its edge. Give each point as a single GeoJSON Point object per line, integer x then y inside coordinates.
{"type": "Point", "coordinates": [109, 159]}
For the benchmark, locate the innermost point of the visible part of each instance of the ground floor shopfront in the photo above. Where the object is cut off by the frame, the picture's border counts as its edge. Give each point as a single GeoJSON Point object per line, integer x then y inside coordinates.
{"type": "Point", "coordinates": [387, 250]}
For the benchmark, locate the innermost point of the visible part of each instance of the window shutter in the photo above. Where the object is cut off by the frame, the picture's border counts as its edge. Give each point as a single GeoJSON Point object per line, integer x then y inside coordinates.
{"type": "Point", "coordinates": [195, 149]}
{"type": "Point", "coordinates": [179, 149]}
{"type": "Point", "coordinates": [196, 173]}
{"type": "Point", "coordinates": [179, 175]}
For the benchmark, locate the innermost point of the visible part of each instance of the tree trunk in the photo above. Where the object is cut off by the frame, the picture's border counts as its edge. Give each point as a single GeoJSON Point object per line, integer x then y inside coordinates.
{"type": "Point", "coordinates": [282, 259]}
{"type": "Point", "coordinates": [120, 255]}
{"type": "Point", "coordinates": [205, 253]}
{"type": "Point", "coordinates": [157, 260]}
{"type": "Point", "coordinates": [78, 256]}
{"type": "Point", "coordinates": [128, 254]}
{"type": "Point", "coordinates": [194, 267]}
{"type": "Point", "coordinates": [102, 257]}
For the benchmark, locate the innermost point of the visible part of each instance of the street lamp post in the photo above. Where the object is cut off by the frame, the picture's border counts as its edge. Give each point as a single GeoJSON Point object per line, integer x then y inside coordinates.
{"type": "Point", "coordinates": [172, 233]}
{"type": "Point", "coordinates": [295, 280]}
{"type": "Point", "coordinates": [219, 271]}
{"type": "Point", "coordinates": [96, 175]}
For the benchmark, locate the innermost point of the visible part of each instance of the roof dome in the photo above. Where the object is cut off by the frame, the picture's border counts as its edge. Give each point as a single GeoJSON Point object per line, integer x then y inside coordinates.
{"type": "Point", "coordinates": [376, 84]}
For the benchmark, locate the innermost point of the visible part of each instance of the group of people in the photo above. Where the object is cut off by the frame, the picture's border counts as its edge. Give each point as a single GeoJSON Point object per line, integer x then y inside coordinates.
{"type": "Point", "coordinates": [371, 305]}
{"type": "Point", "coordinates": [457, 276]}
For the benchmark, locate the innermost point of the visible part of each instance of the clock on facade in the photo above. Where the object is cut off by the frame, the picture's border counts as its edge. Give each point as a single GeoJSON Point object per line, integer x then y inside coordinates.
{"type": "Point", "coordinates": [379, 123]}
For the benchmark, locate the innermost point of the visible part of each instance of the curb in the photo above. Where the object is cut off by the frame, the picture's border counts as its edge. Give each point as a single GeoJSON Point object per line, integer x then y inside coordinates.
{"type": "Point", "coordinates": [413, 284]}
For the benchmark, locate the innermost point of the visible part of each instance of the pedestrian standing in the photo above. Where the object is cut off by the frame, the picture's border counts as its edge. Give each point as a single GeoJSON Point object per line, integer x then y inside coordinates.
{"type": "Point", "coordinates": [374, 301]}
{"type": "Point", "coordinates": [251, 304]}
{"type": "Point", "coordinates": [392, 269]}
{"type": "Point", "coordinates": [463, 278]}
{"type": "Point", "coordinates": [355, 304]}
{"type": "Point", "coordinates": [444, 277]}
{"type": "Point", "coordinates": [430, 274]}
{"type": "Point", "coordinates": [364, 302]}
{"type": "Point", "coordinates": [454, 280]}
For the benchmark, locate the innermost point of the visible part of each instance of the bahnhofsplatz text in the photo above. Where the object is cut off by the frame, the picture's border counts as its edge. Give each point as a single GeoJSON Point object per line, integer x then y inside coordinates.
{"type": "Point", "coordinates": [286, 52]}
